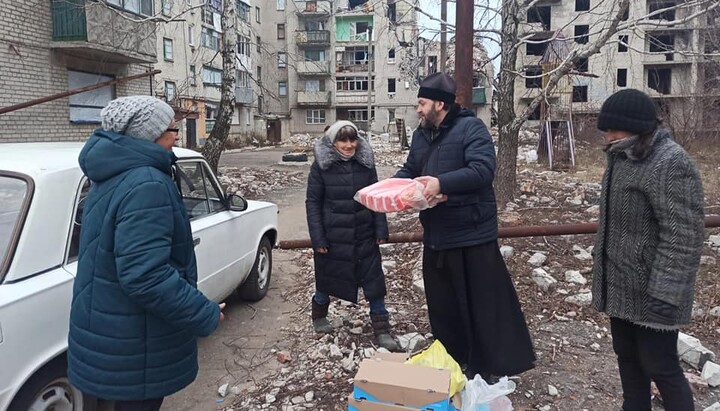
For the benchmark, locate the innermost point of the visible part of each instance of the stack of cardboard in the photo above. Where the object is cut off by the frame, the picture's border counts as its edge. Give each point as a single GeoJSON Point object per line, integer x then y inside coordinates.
{"type": "Point", "coordinates": [384, 383]}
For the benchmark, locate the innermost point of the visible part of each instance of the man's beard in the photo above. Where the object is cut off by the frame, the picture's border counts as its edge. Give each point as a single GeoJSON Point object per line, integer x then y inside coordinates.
{"type": "Point", "coordinates": [429, 120]}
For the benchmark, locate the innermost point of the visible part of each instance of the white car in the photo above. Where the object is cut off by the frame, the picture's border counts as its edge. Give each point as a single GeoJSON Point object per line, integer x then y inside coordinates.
{"type": "Point", "coordinates": [42, 191]}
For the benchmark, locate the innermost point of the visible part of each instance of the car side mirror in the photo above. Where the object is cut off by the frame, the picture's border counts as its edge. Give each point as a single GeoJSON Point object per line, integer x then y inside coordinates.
{"type": "Point", "coordinates": [236, 203]}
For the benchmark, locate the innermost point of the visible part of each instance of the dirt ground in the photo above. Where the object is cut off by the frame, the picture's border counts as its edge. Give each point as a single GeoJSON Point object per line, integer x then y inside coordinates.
{"type": "Point", "coordinates": [572, 341]}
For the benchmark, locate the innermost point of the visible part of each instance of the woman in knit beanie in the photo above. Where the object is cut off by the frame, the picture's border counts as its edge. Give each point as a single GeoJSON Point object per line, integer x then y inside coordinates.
{"type": "Point", "coordinates": [136, 311]}
{"type": "Point", "coordinates": [647, 250]}
{"type": "Point", "coordinates": [345, 235]}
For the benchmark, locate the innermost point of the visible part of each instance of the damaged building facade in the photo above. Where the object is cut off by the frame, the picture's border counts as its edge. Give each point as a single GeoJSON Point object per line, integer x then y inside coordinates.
{"type": "Point", "coordinates": [673, 63]}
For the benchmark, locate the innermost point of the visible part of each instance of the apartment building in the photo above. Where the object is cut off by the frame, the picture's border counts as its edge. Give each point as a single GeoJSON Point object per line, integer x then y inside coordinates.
{"type": "Point", "coordinates": [483, 72]}
{"type": "Point", "coordinates": [52, 46]}
{"type": "Point", "coordinates": [669, 62]}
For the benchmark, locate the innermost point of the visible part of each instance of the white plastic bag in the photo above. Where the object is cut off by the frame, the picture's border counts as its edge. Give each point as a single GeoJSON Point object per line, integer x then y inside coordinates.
{"type": "Point", "coordinates": [479, 396]}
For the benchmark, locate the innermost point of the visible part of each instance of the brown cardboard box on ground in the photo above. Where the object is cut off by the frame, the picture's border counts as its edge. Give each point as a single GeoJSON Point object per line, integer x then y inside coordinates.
{"type": "Point", "coordinates": [391, 356]}
{"type": "Point", "coordinates": [394, 383]}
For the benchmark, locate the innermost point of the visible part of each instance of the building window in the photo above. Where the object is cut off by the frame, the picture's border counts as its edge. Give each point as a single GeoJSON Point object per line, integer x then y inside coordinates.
{"type": "Point", "coordinates": [282, 88]}
{"type": "Point", "coordinates": [166, 7]}
{"type": "Point", "coordinates": [668, 15]}
{"type": "Point", "coordinates": [391, 115]}
{"type": "Point", "coordinates": [243, 10]}
{"type": "Point", "coordinates": [169, 91]}
{"type": "Point", "coordinates": [243, 79]}
{"type": "Point", "coordinates": [392, 12]}
{"type": "Point", "coordinates": [660, 80]}
{"type": "Point", "coordinates": [282, 60]}
{"type": "Point", "coordinates": [582, 33]}
{"type": "Point", "coordinates": [260, 104]}
{"type": "Point", "coordinates": [622, 77]}
{"type": "Point", "coordinates": [85, 107]}
{"type": "Point", "coordinates": [582, 5]}
{"type": "Point", "coordinates": [432, 64]}
{"type": "Point", "coordinates": [211, 112]}
{"type": "Point", "coordinates": [315, 55]}
{"type": "Point", "coordinates": [243, 45]}
{"type": "Point", "coordinates": [207, 15]}
{"type": "Point", "coordinates": [168, 49]}
{"type": "Point", "coordinates": [281, 4]}
{"type": "Point", "coordinates": [352, 84]}
{"type": "Point", "coordinates": [212, 76]}
{"type": "Point", "coordinates": [210, 38]}
{"type": "Point", "coordinates": [540, 14]}
{"type": "Point", "coordinates": [257, 14]}
{"type": "Point", "coordinates": [259, 74]}
{"type": "Point", "coordinates": [537, 48]}
{"type": "Point", "coordinates": [193, 75]}
{"type": "Point", "coordinates": [281, 31]}
{"type": "Point", "coordinates": [623, 42]}
{"type": "Point", "coordinates": [534, 79]}
{"type": "Point", "coordinates": [143, 7]}
{"type": "Point", "coordinates": [661, 43]}
{"type": "Point", "coordinates": [626, 14]}
{"type": "Point", "coordinates": [582, 65]}
{"type": "Point", "coordinates": [391, 85]}
{"type": "Point", "coordinates": [535, 115]}
{"type": "Point", "coordinates": [391, 56]}
{"type": "Point", "coordinates": [580, 94]}
{"type": "Point", "coordinates": [259, 44]}
{"type": "Point", "coordinates": [315, 117]}
{"type": "Point", "coordinates": [191, 35]}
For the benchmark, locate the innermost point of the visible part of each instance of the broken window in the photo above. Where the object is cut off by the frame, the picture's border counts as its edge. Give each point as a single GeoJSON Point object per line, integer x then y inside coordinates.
{"type": "Point", "coordinates": [582, 33]}
{"type": "Point", "coordinates": [660, 43]}
{"type": "Point", "coordinates": [85, 107]}
{"type": "Point", "coordinates": [534, 79]}
{"type": "Point", "coordinates": [432, 64]}
{"type": "Point", "coordinates": [535, 49]}
{"type": "Point", "coordinates": [580, 94]}
{"type": "Point", "coordinates": [582, 5]}
{"type": "Point", "coordinates": [535, 115]}
{"type": "Point", "coordinates": [391, 85]}
{"type": "Point", "coordinates": [668, 15]}
{"type": "Point", "coordinates": [539, 14]}
{"type": "Point", "coordinates": [355, 3]}
{"type": "Point", "coordinates": [626, 14]}
{"type": "Point", "coordinates": [622, 77]}
{"type": "Point", "coordinates": [582, 65]}
{"type": "Point", "coordinates": [623, 42]}
{"type": "Point", "coordinates": [659, 79]}
{"type": "Point", "coordinates": [391, 56]}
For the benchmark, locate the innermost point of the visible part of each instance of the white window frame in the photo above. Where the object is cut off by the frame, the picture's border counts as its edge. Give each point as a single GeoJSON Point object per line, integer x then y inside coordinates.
{"type": "Point", "coordinates": [139, 7]}
{"type": "Point", "coordinates": [191, 35]}
{"type": "Point", "coordinates": [166, 7]}
{"type": "Point", "coordinates": [167, 49]}
{"type": "Point", "coordinates": [280, 5]}
{"type": "Point", "coordinates": [212, 76]}
{"type": "Point", "coordinates": [282, 88]}
{"type": "Point", "coordinates": [257, 14]}
{"type": "Point", "coordinates": [282, 59]}
{"type": "Point", "coordinates": [315, 116]}
{"type": "Point", "coordinates": [391, 60]}
{"type": "Point", "coordinates": [170, 91]}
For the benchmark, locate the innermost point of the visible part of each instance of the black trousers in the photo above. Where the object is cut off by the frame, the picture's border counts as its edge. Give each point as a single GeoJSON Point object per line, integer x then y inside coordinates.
{"type": "Point", "coordinates": [643, 355]}
{"type": "Point", "coordinates": [474, 310]}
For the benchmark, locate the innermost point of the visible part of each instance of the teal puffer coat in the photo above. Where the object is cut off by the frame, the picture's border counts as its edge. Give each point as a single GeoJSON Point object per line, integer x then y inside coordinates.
{"type": "Point", "coordinates": [136, 311]}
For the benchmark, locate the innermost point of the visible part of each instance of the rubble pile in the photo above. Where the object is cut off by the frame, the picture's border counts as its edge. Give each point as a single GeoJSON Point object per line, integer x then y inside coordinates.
{"type": "Point", "coordinates": [254, 184]}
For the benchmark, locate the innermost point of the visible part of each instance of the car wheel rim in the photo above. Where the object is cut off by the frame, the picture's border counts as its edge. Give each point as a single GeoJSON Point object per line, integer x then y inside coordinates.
{"type": "Point", "coordinates": [58, 395]}
{"type": "Point", "coordinates": [263, 268]}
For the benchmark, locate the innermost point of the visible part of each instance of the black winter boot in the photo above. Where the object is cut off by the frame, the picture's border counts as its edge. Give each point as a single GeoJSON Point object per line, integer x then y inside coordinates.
{"type": "Point", "coordinates": [381, 329]}
{"type": "Point", "coordinates": [319, 318]}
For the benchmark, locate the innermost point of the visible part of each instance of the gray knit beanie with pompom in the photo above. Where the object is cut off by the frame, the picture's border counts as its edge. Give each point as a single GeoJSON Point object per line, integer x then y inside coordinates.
{"type": "Point", "coordinates": [142, 117]}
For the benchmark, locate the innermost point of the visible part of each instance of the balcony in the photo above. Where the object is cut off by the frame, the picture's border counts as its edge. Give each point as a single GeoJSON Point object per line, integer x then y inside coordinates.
{"type": "Point", "coordinates": [355, 68]}
{"type": "Point", "coordinates": [100, 33]}
{"type": "Point", "coordinates": [478, 96]}
{"type": "Point", "coordinates": [352, 98]}
{"type": "Point", "coordinates": [244, 95]}
{"type": "Point", "coordinates": [317, 8]}
{"type": "Point", "coordinates": [666, 58]}
{"type": "Point", "coordinates": [312, 38]}
{"type": "Point", "coordinates": [313, 68]}
{"type": "Point", "coordinates": [314, 98]}
{"type": "Point", "coordinates": [244, 63]}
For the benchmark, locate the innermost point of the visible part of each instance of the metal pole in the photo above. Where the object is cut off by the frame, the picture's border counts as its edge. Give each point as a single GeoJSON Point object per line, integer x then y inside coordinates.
{"type": "Point", "coordinates": [370, 83]}
{"type": "Point", "coordinates": [464, 10]}
{"type": "Point", "coordinates": [443, 35]}
{"type": "Point", "coordinates": [504, 232]}
{"type": "Point", "coordinates": [76, 91]}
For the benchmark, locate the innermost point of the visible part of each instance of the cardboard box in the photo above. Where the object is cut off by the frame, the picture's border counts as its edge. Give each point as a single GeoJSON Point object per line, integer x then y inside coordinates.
{"type": "Point", "coordinates": [410, 386]}
{"type": "Point", "coordinates": [391, 356]}
{"type": "Point", "coordinates": [364, 405]}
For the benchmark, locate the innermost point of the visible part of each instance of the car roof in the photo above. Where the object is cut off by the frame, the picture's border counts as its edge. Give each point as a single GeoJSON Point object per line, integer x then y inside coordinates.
{"type": "Point", "coordinates": [35, 159]}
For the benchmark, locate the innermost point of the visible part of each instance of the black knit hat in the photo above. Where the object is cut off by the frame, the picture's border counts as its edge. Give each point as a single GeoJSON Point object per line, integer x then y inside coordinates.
{"type": "Point", "coordinates": [439, 87]}
{"type": "Point", "coordinates": [628, 110]}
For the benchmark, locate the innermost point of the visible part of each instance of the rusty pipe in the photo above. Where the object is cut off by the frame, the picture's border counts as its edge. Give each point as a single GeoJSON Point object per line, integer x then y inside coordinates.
{"type": "Point", "coordinates": [712, 221]}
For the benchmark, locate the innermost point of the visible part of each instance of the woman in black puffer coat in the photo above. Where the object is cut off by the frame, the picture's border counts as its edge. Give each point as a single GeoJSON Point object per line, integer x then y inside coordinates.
{"type": "Point", "coordinates": [345, 235]}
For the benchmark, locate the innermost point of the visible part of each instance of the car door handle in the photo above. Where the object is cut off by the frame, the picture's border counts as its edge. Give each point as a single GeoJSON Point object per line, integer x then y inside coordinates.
{"type": "Point", "coordinates": [196, 241]}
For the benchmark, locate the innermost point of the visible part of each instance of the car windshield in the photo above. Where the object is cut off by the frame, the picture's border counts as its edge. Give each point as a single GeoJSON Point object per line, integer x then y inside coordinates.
{"type": "Point", "coordinates": [12, 197]}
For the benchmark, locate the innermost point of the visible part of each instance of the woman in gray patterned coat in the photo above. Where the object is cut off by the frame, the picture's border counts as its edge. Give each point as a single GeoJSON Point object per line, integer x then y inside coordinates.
{"type": "Point", "coordinates": [647, 250]}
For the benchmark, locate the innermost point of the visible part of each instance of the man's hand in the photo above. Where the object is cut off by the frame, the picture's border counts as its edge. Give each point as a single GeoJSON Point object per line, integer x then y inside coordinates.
{"type": "Point", "coordinates": [222, 307]}
{"type": "Point", "coordinates": [321, 250]}
{"type": "Point", "coordinates": [432, 186]}
{"type": "Point", "coordinates": [379, 241]}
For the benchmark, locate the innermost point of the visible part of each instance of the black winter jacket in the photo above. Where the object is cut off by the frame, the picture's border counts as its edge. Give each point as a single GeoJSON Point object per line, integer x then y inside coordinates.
{"type": "Point", "coordinates": [346, 227]}
{"type": "Point", "coordinates": [461, 154]}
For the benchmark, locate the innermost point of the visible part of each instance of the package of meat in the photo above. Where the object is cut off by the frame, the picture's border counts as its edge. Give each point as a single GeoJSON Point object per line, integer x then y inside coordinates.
{"type": "Point", "coordinates": [392, 195]}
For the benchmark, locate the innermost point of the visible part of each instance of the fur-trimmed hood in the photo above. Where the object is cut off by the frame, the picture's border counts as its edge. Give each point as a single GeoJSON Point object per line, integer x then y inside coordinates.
{"type": "Point", "coordinates": [326, 154]}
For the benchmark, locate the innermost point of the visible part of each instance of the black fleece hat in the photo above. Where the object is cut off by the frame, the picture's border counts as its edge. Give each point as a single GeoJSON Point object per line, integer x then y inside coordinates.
{"type": "Point", "coordinates": [628, 110]}
{"type": "Point", "coordinates": [439, 87]}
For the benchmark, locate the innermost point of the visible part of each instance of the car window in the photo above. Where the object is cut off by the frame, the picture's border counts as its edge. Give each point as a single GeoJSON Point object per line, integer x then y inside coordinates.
{"type": "Point", "coordinates": [13, 194]}
{"type": "Point", "coordinates": [77, 221]}
{"type": "Point", "coordinates": [197, 189]}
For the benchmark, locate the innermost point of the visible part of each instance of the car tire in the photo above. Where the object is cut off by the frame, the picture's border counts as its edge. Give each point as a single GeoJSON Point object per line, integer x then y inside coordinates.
{"type": "Point", "coordinates": [50, 389]}
{"type": "Point", "coordinates": [258, 281]}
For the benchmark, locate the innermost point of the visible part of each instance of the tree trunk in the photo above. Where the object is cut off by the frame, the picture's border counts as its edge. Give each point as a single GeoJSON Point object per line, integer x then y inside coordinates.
{"type": "Point", "coordinates": [505, 176]}
{"type": "Point", "coordinates": [215, 143]}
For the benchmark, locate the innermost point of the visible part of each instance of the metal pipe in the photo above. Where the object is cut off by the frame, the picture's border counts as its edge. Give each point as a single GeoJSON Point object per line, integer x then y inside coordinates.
{"type": "Point", "coordinates": [464, 39]}
{"type": "Point", "coordinates": [712, 221]}
{"type": "Point", "coordinates": [76, 91]}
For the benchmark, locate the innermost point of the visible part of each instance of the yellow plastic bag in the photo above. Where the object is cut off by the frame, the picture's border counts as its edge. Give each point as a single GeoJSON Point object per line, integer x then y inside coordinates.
{"type": "Point", "coordinates": [436, 356]}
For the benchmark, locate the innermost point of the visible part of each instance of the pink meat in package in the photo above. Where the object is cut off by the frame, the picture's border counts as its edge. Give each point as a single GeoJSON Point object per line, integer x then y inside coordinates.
{"type": "Point", "coordinates": [393, 194]}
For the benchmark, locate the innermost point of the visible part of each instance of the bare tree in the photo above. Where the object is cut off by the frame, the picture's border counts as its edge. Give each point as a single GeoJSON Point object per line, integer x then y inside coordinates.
{"type": "Point", "coordinates": [215, 143]}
